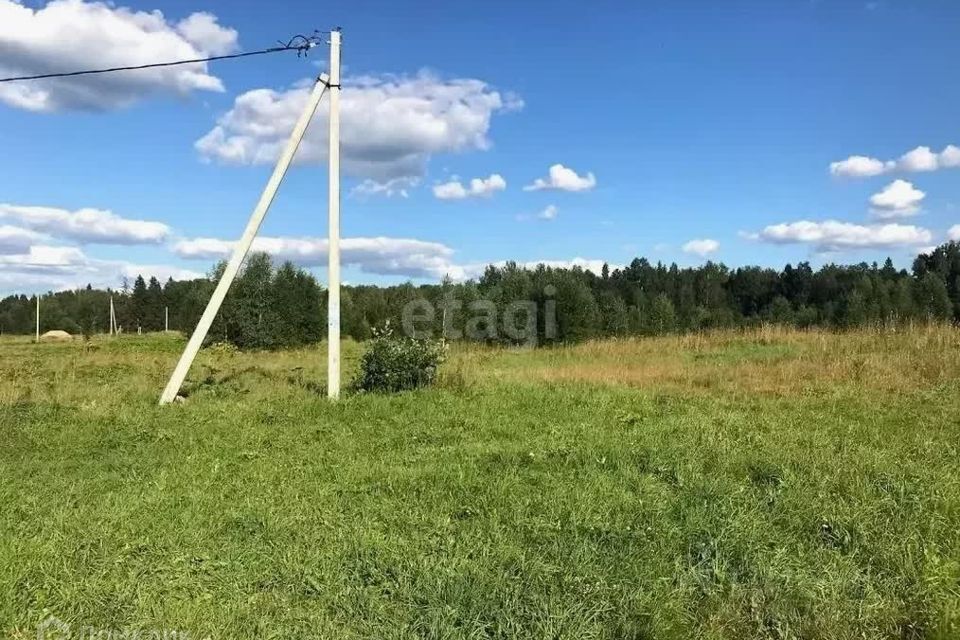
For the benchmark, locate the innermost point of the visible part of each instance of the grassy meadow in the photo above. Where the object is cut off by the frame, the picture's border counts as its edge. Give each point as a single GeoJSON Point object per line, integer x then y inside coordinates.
{"type": "Point", "coordinates": [769, 484]}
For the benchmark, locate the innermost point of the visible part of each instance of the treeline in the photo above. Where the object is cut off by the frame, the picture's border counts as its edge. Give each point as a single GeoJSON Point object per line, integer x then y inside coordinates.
{"type": "Point", "coordinates": [274, 306]}
{"type": "Point", "coordinates": [267, 307]}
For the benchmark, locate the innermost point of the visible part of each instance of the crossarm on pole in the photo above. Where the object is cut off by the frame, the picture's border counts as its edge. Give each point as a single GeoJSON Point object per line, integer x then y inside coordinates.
{"type": "Point", "coordinates": [243, 246]}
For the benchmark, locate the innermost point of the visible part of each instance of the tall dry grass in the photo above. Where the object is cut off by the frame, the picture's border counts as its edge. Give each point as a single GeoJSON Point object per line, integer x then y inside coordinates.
{"type": "Point", "coordinates": [769, 359]}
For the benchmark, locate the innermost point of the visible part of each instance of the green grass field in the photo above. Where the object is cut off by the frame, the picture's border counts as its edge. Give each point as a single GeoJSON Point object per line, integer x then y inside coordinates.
{"type": "Point", "coordinates": [772, 484]}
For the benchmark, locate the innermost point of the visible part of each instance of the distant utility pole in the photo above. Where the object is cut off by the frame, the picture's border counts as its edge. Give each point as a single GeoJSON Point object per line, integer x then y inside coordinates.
{"type": "Point", "coordinates": [113, 319]}
{"type": "Point", "coordinates": [38, 317]}
{"type": "Point", "coordinates": [333, 269]}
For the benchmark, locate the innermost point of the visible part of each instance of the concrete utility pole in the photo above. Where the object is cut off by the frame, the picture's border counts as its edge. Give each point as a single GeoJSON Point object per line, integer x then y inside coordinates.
{"type": "Point", "coordinates": [113, 319]}
{"type": "Point", "coordinates": [38, 317]}
{"type": "Point", "coordinates": [243, 246]}
{"type": "Point", "coordinates": [333, 269]}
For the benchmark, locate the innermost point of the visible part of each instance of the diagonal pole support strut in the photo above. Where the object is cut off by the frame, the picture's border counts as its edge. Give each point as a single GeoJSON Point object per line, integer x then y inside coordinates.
{"type": "Point", "coordinates": [243, 246]}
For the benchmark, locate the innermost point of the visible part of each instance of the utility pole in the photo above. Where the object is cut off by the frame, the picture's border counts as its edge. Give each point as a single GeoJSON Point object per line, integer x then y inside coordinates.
{"type": "Point", "coordinates": [38, 317]}
{"type": "Point", "coordinates": [333, 269]}
{"type": "Point", "coordinates": [113, 319]}
{"type": "Point", "coordinates": [243, 246]}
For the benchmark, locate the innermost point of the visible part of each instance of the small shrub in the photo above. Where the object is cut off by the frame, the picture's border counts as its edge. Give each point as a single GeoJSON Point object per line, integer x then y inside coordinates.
{"type": "Point", "coordinates": [395, 363]}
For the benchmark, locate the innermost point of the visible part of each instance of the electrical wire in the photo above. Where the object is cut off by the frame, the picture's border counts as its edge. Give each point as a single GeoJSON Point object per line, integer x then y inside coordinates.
{"type": "Point", "coordinates": [299, 43]}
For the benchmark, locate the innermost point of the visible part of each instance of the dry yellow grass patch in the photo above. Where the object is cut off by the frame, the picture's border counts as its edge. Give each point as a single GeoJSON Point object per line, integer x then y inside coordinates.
{"type": "Point", "coordinates": [771, 360]}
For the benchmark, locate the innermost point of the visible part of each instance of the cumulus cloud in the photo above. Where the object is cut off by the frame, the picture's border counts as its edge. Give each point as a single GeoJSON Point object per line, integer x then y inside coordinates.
{"type": "Point", "coordinates": [379, 255]}
{"type": "Point", "coordinates": [44, 267]}
{"type": "Point", "coordinates": [549, 212]}
{"type": "Point", "coordinates": [950, 157]}
{"type": "Point", "coordinates": [919, 159]}
{"type": "Point", "coordinates": [86, 225]}
{"type": "Point", "coordinates": [65, 35]}
{"type": "Point", "coordinates": [478, 187]}
{"type": "Point", "coordinates": [161, 272]}
{"type": "Point", "coordinates": [203, 31]}
{"type": "Point", "coordinates": [899, 199]}
{"type": "Point", "coordinates": [395, 187]}
{"type": "Point", "coordinates": [391, 125]}
{"type": "Point", "coordinates": [860, 167]}
{"type": "Point", "coordinates": [701, 247]}
{"type": "Point", "coordinates": [832, 235]}
{"type": "Point", "coordinates": [46, 257]}
{"type": "Point", "coordinates": [16, 240]}
{"type": "Point", "coordinates": [563, 179]}
{"type": "Point", "coordinates": [954, 233]}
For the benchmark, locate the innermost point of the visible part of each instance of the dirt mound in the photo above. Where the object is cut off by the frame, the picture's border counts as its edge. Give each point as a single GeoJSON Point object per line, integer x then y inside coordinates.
{"type": "Point", "coordinates": [56, 335]}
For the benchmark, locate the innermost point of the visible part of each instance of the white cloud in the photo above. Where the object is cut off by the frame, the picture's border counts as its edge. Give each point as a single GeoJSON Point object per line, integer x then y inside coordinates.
{"type": "Point", "coordinates": [206, 248]}
{"type": "Point", "coordinates": [395, 187]}
{"type": "Point", "coordinates": [478, 187]}
{"type": "Point", "coordinates": [391, 125]}
{"type": "Point", "coordinates": [203, 31]}
{"type": "Point", "coordinates": [919, 159]}
{"type": "Point", "coordinates": [86, 225]}
{"type": "Point", "coordinates": [950, 157]}
{"type": "Point", "coordinates": [487, 186]}
{"type": "Point", "coordinates": [44, 267]}
{"type": "Point", "coordinates": [161, 272]}
{"type": "Point", "coordinates": [916, 160]}
{"type": "Point", "coordinates": [67, 35]}
{"type": "Point", "coordinates": [860, 167]}
{"type": "Point", "coordinates": [476, 269]}
{"type": "Point", "coordinates": [563, 179]}
{"type": "Point", "coordinates": [831, 235]}
{"type": "Point", "coordinates": [46, 257]}
{"type": "Point", "coordinates": [588, 264]}
{"type": "Point", "coordinates": [701, 247]}
{"type": "Point", "coordinates": [954, 233]}
{"type": "Point", "coordinates": [549, 212]}
{"type": "Point", "coordinates": [15, 240]}
{"type": "Point", "coordinates": [380, 255]}
{"type": "Point", "coordinates": [452, 190]}
{"type": "Point", "coordinates": [898, 199]}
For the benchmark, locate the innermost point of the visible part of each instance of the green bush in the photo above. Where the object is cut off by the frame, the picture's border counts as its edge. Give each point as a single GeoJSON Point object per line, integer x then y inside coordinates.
{"type": "Point", "coordinates": [396, 363]}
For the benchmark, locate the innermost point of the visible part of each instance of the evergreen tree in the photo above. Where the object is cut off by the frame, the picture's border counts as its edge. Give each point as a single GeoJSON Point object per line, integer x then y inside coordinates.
{"type": "Point", "coordinates": [152, 318]}
{"type": "Point", "coordinates": [139, 307]}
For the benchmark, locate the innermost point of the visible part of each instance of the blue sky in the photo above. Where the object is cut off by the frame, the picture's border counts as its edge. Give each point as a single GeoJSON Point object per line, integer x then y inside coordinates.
{"type": "Point", "coordinates": [730, 124]}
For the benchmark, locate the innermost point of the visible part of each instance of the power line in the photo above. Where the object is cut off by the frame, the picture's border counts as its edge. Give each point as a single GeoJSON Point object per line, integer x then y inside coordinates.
{"type": "Point", "coordinates": [300, 44]}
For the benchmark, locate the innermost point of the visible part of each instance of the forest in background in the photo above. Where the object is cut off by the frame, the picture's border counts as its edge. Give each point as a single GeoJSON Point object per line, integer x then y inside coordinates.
{"type": "Point", "coordinates": [272, 306]}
